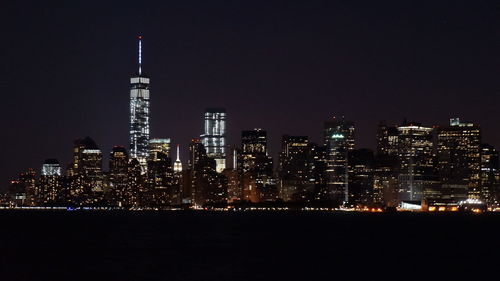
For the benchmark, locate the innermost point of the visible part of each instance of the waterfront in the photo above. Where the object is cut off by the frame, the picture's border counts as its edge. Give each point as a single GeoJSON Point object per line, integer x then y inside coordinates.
{"type": "Point", "coordinates": [189, 245]}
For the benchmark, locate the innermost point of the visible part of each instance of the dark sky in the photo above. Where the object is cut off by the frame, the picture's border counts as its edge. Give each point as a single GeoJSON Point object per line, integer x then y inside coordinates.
{"type": "Point", "coordinates": [284, 66]}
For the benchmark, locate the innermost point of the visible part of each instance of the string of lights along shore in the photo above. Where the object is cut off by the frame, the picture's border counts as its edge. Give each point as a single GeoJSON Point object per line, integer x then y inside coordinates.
{"type": "Point", "coordinates": [414, 167]}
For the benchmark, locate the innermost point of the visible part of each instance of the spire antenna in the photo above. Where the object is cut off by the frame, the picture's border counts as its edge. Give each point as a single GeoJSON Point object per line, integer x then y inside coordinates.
{"type": "Point", "coordinates": [140, 54]}
{"type": "Point", "coordinates": [178, 159]}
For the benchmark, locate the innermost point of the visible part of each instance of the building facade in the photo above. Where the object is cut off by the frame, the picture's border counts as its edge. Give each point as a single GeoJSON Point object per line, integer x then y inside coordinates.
{"type": "Point", "coordinates": [296, 182]}
{"type": "Point", "coordinates": [339, 140]}
{"type": "Point", "coordinates": [416, 161]}
{"type": "Point", "coordinates": [139, 114]}
{"type": "Point", "coordinates": [255, 167]}
{"type": "Point", "coordinates": [214, 138]}
{"type": "Point", "coordinates": [459, 156]}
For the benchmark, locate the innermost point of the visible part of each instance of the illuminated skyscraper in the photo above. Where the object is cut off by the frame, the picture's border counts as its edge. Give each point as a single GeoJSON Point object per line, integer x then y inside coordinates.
{"type": "Point", "coordinates": [459, 156]}
{"type": "Point", "coordinates": [160, 174]}
{"type": "Point", "coordinates": [361, 162]}
{"type": "Point", "coordinates": [85, 172]}
{"type": "Point", "coordinates": [253, 155]}
{"type": "Point", "coordinates": [91, 167]}
{"type": "Point", "coordinates": [490, 176]}
{"type": "Point", "coordinates": [318, 165]}
{"type": "Point", "coordinates": [51, 167]}
{"type": "Point", "coordinates": [159, 146]}
{"type": "Point", "coordinates": [178, 163]}
{"type": "Point", "coordinates": [139, 114]}
{"type": "Point", "coordinates": [416, 161]}
{"type": "Point", "coordinates": [339, 140]}
{"type": "Point", "coordinates": [118, 175]}
{"type": "Point", "coordinates": [50, 181]}
{"type": "Point", "coordinates": [207, 186]}
{"type": "Point", "coordinates": [387, 140]}
{"type": "Point", "coordinates": [254, 141]}
{"type": "Point", "coordinates": [23, 190]}
{"type": "Point", "coordinates": [214, 138]}
{"type": "Point", "coordinates": [255, 167]}
{"type": "Point", "coordinates": [386, 168]}
{"type": "Point", "coordinates": [296, 180]}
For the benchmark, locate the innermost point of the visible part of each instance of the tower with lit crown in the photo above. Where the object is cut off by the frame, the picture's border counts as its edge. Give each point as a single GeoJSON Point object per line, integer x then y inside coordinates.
{"type": "Point", "coordinates": [139, 114]}
{"type": "Point", "coordinates": [178, 163]}
{"type": "Point", "coordinates": [214, 138]}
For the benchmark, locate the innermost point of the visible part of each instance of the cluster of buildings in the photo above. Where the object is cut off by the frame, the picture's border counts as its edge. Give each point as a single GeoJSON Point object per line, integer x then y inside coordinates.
{"type": "Point", "coordinates": [437, 168]}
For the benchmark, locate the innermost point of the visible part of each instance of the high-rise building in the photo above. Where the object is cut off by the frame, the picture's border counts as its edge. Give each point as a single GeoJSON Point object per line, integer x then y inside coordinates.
{"type": "Point", "coordinates": [416, 161]}
{"type": "Point", "coordinates": [318, 164]}
{"type": "Point", "coordinates": [118, 176]}
{"type": "Point", "coordinates": [28, 180]}
{"type": "Point", "coordinates": [136, 184]}
{"type": "Point", "coordinates": [253, 155]}
{"type": "Point", "coordinates": [92, 168]}
{"type": "Point", "coordinates": [160, 175]}
{"type": "Point", "coordinates": [385, 181]}
{"type": "Point", "coordinates": [387, 140]}
{"type": "Point", "coordinates": [490, 174]}
{"type": "Point", "coordinates": [386, 166]}
{"type": "Point", "coordinates": [178, 163]}
{"type": "Point", "coordinates": [214, 137]}
{"type": "Point", "coordinates": [254, 142]}
{"type": "Point", "coordinates": [23, 191]}
{"type": "Point", "coordinates": [198, 156]}
{"type": "Point", "coordinates": [339, 140]}
{"type": "Point", "coordinates": [296, 182]}
{"type": "Point", "coordinates": [234, 187]}
{"type": "Point", "coordinates": [177, 183]}
{"type": "Point", "coordinates": [361, 163]}
{"type": "Point", "coordinates": [159, 146]}
{"type": "Point", "coordinates": [139, 114]}
{"type": "Point", "coordinates": [51, 167]}
{"type": "Point", "coordinates": [85, 172]}
{"type": "Point", "coordinates": [118, 161]}
{"type": "Point", "coordinates": [206, 185]}
{"type": "Point", "coordinates": [255, 167]}
{"type": "Point", "coordinates": [459, 156]}
{"type": "Point", "coordinates": [50, 182]}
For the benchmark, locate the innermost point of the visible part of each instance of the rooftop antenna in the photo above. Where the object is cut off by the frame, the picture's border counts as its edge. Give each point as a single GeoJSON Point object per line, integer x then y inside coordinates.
{"type": "Point", "coordinates": [140, 54]}
{"type": "Point", "coordinates": [235, 163]}
{"type": "Point", "coordinates": [178, 159]}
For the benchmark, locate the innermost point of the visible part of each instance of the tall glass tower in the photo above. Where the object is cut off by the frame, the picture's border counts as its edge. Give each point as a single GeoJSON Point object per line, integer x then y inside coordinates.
{"type": "Point", "coordinates": [139, 114]}
{"type": "Point", "coordinates": [214, 138]}
{"type": "Point", "coordinates": [339, 141]}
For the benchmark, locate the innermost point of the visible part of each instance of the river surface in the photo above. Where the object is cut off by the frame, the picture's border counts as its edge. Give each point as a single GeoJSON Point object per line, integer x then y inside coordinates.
{"type": "Point", "coordinates": [188, 245]}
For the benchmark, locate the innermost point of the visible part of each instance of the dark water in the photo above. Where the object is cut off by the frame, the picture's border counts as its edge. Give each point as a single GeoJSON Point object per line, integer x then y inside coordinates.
{"type": "Point", "coordinates": [247, 246]}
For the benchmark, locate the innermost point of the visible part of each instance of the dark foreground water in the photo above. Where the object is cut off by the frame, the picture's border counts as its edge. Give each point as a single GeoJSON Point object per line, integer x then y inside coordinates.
{"type": "Point", "coordinates": [47, 245]}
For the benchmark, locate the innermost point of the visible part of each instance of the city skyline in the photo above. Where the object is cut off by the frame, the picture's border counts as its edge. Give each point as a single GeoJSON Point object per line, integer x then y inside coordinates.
{"type": "Point", "coordinates": [249, 140]}
{"type": "Point", "coordinates": [70, 106]}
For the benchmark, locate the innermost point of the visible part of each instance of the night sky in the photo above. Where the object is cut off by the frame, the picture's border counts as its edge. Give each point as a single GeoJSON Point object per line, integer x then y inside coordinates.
{"type": "Point", "coordinates": [283, 66]}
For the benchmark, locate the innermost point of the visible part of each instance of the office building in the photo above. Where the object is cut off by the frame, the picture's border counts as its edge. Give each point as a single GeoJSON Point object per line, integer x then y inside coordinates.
{"type": "Point", "coordinates": [459, 156]}
{"type": "Point", "coordinates": [50, 182]}
{"type": "Point", "coordinates": [139, 114]}
{"type": "Point", "coordinates": [214, 137]}
{"type": "Point", "coordinates": [490, 174]}
{"type": "Point", "coordinates": [416, 161]}
{"type": "Point", "coordinates": [118, 176]}
{"type": "Point", "coordinates": [255, 167]}
{"type": "Point", "coordinates": [296, 182]}
{"type": "Point", "coordinates": [157, 146]}
{"type": "Point", "coordinates": [339, 140]}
